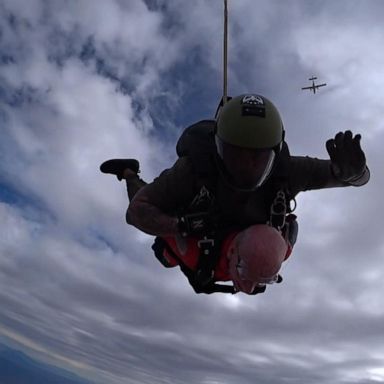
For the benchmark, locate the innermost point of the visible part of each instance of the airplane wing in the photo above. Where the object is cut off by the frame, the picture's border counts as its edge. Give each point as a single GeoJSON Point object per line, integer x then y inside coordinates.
{"type": "Point", "coordinates": [307, 87]}
{"type": "Point", "coordinates": [320, 85]}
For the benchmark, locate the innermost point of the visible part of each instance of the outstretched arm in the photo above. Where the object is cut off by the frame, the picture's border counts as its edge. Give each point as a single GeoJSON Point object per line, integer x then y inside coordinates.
{"type": "Point", "coordinates": [156, 206]}
{"type": "Point", "coordinates": [150, 219]}
{"type": "Point", "coordinates": [346, 167]}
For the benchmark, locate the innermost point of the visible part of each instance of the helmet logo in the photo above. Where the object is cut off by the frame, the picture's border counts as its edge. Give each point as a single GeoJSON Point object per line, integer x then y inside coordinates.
{"type": "Point", "coordinates": [252, 100]}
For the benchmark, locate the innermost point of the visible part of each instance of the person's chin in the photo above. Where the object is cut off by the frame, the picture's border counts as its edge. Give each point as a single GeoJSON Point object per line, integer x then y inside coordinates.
{"type": "Point", "coordinates": [245, 183]}
{"type": "Point", "coordinates": [246, 286]}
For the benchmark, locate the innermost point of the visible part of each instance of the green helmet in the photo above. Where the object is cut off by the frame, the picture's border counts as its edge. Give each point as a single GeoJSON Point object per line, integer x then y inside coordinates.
{"type": "Point", "coordinates": [250, 121]}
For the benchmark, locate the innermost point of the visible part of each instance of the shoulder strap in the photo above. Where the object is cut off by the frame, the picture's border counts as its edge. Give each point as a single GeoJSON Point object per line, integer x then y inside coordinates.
{"type": "Point", "coordinates": [280, 178]}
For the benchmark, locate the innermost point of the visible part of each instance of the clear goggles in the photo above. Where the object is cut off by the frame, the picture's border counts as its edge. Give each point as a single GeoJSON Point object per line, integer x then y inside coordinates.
{"type": "Point", "coordinates": [245, 169]}
{"type": "Point", "coordinates": [245, 283]}
{"type": "Point", "coordinates": [261, 281]}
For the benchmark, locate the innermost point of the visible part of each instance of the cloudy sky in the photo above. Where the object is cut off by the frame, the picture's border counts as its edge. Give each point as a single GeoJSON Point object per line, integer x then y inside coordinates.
{"type": "Point", "coordinates": [87, 80]}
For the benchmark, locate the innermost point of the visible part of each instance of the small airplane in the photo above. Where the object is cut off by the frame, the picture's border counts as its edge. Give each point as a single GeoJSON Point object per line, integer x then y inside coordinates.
{"type": "Point", "coordinates": [314, 86]}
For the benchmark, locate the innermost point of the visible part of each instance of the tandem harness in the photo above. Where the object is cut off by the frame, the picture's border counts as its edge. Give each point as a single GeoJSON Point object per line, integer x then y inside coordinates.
{"type": "Point", "coordinates": [200, 279]}
{"type": "Point", "coordinates": [197, 142]}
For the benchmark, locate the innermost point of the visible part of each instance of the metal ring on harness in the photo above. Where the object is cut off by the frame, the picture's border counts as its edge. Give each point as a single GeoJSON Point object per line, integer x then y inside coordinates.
{"type": "Point", "coordinates": [278, 211]}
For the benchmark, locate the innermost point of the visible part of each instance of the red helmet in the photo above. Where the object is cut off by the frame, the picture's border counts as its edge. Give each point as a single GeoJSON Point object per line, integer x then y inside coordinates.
{"type": "Point", "coordinates": [255, 257]}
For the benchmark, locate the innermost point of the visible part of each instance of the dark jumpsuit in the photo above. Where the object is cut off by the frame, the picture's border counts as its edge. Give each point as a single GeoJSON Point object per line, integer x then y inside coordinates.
{"type": "Point", "coordinates": [177, 189]}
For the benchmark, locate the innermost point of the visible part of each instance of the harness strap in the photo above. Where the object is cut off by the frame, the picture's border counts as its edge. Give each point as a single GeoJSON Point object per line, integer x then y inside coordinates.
{"type": "Point", "coordinates": [208, 259]}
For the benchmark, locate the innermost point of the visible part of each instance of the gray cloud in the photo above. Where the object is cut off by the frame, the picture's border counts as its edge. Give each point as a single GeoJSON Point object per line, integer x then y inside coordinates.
{"type": "Point", "coordinates": [82, 82]}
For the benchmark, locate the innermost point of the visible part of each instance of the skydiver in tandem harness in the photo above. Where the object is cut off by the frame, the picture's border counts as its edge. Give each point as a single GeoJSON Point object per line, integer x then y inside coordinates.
{"type": "Point", "coordinates": [223, 211]}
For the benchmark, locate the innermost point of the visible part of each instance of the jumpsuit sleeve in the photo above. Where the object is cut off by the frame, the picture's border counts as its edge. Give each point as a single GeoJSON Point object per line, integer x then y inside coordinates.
{"type": "Point", "coordinates": [309, 173]}
{"type": "Point", "coordinates": [173, 188]}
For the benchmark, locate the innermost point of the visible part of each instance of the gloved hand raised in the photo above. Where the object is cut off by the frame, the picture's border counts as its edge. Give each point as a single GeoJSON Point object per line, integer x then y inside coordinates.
{"type": "Point", "coordinates": [347, 158]}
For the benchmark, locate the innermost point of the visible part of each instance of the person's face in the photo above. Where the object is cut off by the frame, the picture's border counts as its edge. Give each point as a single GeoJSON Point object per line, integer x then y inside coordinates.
{"type": "Point", "coordinates": [243, 279]}
{"type": "Point", "coordinates": [248, 168]}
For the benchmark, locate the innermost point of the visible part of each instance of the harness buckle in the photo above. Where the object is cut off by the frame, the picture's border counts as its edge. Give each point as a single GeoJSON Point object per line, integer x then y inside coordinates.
{"type": "Point", "coordinates": [278, 211]}
{"type": "Point", "coordinates": [206, 245]}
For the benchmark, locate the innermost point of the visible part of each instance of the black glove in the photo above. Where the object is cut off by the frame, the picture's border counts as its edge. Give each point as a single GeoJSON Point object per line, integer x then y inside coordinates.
{"type": "Point", "coordinates": [347, 158]}
{"type": "Point", "coordinates": [195, 224]}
